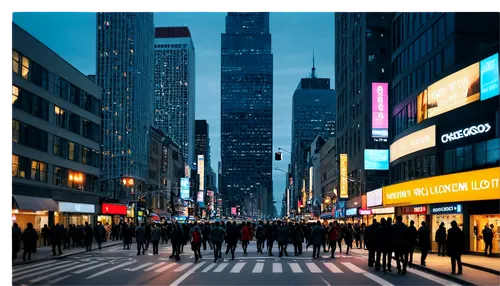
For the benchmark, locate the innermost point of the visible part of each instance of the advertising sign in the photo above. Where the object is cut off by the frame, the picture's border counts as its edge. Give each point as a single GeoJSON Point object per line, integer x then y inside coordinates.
{"type": "Point", "coordinates": [184, 188]}
{"type": "Point", "coordinates": [380, 114]}
{"type": "Point", "coordinates": [365, 212]}
{"type": "Point", "coordinates": [351, 212]}
{"type": "Point", "coordinates": [233, 210]}
{"type": "Point", "coordinates": [389, 210]}
{"type": "Point", "coordinates": [76, 208]}
{"type": "Point", "coordinates": [114, 209]}
{"type": "Point", "coordinates": [376, 159]}
{"type": "Point", "coordinates": [458, 187]}
{"type": "Point", "coordinates": [419, 210]}
{"type": "Point", "coordinates": [374, 198]}
{"type": "Point", "coordinates": [343, 177]}
{"type": "Point", "coordinates": [420, 140]}
{"type": "Point", "coordinates": [201, 171]}
{"type": "Point", "coordinates": [339, 209]}
{"type": "Point", "coordinates": [446, 209]}
{"type": "Point", "coordinates": [489, 77]}
{"type": "Point", "coordinates": [472, 130]}
{"type": "Point", "coordinates": [200, 198]}
{"type": "Point", "coordinates": [453, 91]}
{"type": "Point", "coordinates": [422, 106]}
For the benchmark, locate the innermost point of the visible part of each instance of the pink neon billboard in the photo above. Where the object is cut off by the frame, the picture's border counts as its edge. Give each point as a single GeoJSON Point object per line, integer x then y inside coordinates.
{"type": "Point", "coordinates": [380, 106]}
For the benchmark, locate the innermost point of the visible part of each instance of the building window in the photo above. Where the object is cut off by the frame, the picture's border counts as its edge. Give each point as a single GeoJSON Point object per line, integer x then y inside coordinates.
{"type": "Point", "coordinates": [448, 56]}
{"type": "Point", "coordinates": [480, 154]}
{"type": "Point", "coordinates": [85, 153]}
{"type": "Point", "coordinates": [25, 68]}
{"type": "Point", "coordinates": [371, 58]}
{"type": "Point", "coordinates": [15, 61]}
{"type": "Point", "coordinates": [57, 146]}
{"type": "Point", "coordinates": [57, 176]}
{"type": "Point", "coordinates": [15, 131]}
{"type": "Point", "coordinates": [74, 123]}
{"type": "Point", "coordinates": [493, 152]}
{"type": "Point", "coordinates": [71, 150]}
{"type": "Point", "coordinates": [15, 166]}
{"type": "Point", "coordinates": [441, 30]}
{"type": "Point", "coordinates": [38, 171]}
{"type": "Point", "coordinates": [448, 161]}
{"type": "Point", "coordinates": [60, 115]}
{"type": "Point", "coordinates": [15, 94]}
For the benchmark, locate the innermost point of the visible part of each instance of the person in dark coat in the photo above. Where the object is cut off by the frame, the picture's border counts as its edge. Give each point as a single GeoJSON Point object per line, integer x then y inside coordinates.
{"type": "Point", "coordinates": [126, 234]}
{"type": "Point", "coordinates": [333, 235]}
{"type": "Point", "coordinates": [147, 229]}
{"type": "Point", "coordinates": [177, 241]}
{"type": "Point", "coordinates": [385, 242]}
{"type": "Point", "coordinates": [316, 239]}
{"type": "Point", "coordinates": [65, 237]}
{"type": "Point", "coordinates": [424, 242]}
{"type": "Point", "coordinates": [369, 237]}
{"type": "Point", "coordinates": [45, 235]}
{"type": "Point", "coordinates": [270, 236]}
{"type": "Point", "coordinates": [282, 237]}
{"type": "Point", "coordinates": [206, 236]}
{"type": "Point", "coordinates": [16, 240]}
{"type": "Point", "coordinates": [341, 237]}
{"type": "Point", "coordinates": [56, 234]}
{"type": "Point", "coordinates": [155, 238]}
{"type": "Point", "coordinates": [217, 235]}
{"type": "Point", "coordinates": [260, 235]}
{"type": "Point", "coordinates": [232, 234]}
{"type": "Point", "coordinates": [29, 238]}
{"type": "Point", "coordinates": [455, 245]}
{"type": "Point", "coordinates": [378, 243]}
{"type": "Point", "coordinates": [297, 239]}
{"type": "Point", "coordinates": [348, 237]}
{"type": "Point", "coordinates": [412, 242]}
{"type": "Point", "coordinates": [140, 238]}
{"type": "Point", "coordinates": [400, 237]}
{"type": "Point", "coordinates": [88, 237]}
{"type": "Point", "coordinates": [100, 233]}
{"type": "Point", "coordinates": [440, 238]}
{"type": "Point", "coordinates": [357, 235]}
{"type": "Point", "coordinates": [488, 239]}
{"type": "Point", "coordinates": [186, 230]}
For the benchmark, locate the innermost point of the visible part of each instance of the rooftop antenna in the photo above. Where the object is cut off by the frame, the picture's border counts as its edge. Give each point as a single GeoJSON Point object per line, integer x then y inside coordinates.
{"type": "Point", "coordinates": [313, 74]}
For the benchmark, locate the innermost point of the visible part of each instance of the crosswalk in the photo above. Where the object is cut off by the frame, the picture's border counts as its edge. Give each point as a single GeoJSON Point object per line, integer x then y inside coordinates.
{"type": "Point", "coordinates": [61, 270]}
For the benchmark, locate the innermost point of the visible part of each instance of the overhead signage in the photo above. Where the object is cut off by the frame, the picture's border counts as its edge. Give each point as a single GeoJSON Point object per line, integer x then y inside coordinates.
{"type": "Point", "coordinates": [389, 210]}
{"type": "Point", "coordinates": [417, 141]}
{"type": "Point", "coordinates": [351, 212]}
{"type": "Point", "coordinates": [114, 209]}
{"type": "Point", "coordinates": [343, 177]}
{"type": "Point", "coordinates": [376, 159]}
{"type": "Point", "coordinates": [414, 210]}
{"type": "Point", "coordinates": [459, 187]}
{"type": "Point", "coordinates": [76, 208]}
{"type": "Point", "coordinates": [374, 198]}
{"type": "Point", "coordinates": [446, 209]}
{"type": "Point", "coordinates": [365, 212]}
{"type": "Point", "coordinates": [201, 172]}
{"type": "Point", "coordinates": [489, 77]}
{"type": "Point", "coordinates": [233, 210]}
{"type": "Point", "coordinates": [380, 110]}
{"type": "Point", "coordinates": [466, 132]}
{"type": "Point", "coordinates": [184, 188]}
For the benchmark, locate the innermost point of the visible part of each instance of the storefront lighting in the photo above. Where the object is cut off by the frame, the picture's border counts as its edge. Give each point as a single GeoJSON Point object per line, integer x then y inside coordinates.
{"type": "Point", "coordinates": [124, 181]}
{"type": "Point", "coordinates": [16, 211]}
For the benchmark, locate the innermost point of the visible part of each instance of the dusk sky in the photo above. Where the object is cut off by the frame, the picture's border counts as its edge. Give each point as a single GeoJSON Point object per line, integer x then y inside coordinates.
{"type": "Point", "coordinates": [294, 37]}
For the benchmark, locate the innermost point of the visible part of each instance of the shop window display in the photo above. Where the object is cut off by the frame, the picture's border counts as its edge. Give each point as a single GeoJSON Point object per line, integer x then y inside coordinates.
{"type": "Point", "coordinates": [437, 219]}
{"type": "Point", "coordinates": [478, 222]}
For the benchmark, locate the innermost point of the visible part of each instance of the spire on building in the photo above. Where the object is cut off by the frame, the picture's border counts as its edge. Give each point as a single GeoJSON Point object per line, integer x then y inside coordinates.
{"type": "Point", "coordinates": [313, 73]}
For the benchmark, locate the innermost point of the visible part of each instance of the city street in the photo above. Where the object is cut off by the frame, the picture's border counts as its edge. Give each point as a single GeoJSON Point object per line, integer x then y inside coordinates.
{"type": "Point", "coordinates": [114, 266]}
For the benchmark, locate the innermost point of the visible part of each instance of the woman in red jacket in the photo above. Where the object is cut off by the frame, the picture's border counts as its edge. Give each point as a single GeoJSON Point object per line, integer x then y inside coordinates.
{"type": "Point", "coordinates": [246, 236]}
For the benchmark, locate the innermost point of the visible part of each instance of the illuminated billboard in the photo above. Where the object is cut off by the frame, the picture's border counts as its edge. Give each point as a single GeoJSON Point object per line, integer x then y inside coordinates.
{"type": "Point", "coordinates": [343, 177]}
{"type": "Point", "coordinates": [422, 106]}
{"type": "Point", "coordinates": [201, 199]}
{"type": "Point", "coordinates": [380, 115]}
{"type": "Point", "coordinates": [201, 171]}
{"type": "Point", "coordinates": [376, 159]}
{"type": "Point", "coordinates": [184, 188]}
{"type": "Point", "coordinates": [420, 140]}
{"type": "Point", "coordinates": [489, 77]}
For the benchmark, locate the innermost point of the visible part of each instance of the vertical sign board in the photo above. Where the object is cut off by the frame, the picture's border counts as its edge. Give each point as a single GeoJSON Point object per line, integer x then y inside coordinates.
{"type": "Point", "coordinates": [343, 176]}
{"type": "Point", "coordinates": [184, 188]}
{"type": "Point", "coordinates": [489, 77]}
{"type": "Point", "coordinates": [380, 114]}
{"type": "Point", "coordinates": [201, 171]}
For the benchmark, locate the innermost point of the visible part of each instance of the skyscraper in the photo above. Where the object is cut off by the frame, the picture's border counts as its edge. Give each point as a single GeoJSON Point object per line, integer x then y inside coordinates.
{"type": "Point", "coordinates": [247, 112]}
{"type": "Point", "coordinates": [125, 66]}
{"type": "Point", "coordinates": [174, 89]}
{"type": "Point", "coordinates": [313, 114]}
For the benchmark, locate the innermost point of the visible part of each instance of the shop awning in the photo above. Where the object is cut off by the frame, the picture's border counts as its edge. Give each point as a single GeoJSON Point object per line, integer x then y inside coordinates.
{"type": "Point", "coordinates": [34, 203]}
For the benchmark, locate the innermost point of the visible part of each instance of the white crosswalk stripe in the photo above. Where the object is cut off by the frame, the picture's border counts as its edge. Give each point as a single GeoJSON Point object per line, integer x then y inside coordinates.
{"type": "Point", "coordinates": [140, 266]}
{"type": "Point", "coordinates": [210, 266]}
{"type": "Point", "coordinates": [313, 267]}
{"type": "Point", "coordinates": [110, 269]}
{"type": "Point", "coordinates": [277, 268]}
{"type": "Point", "coordinates": [183, 267]}
{"type": "Point", "coordinates": [295, 267]}
{"type": "Point", "coordinates": [30, 266]}
{"type": "Point", "coordinates": [155, 266]}
{"type": "Point", "coordinates": [90, 268]}
{"type": "Point", "coordinates": [258, 268]}
{"type": "Point", "coordinates": [38, 267]}
{"type": "Point", "coordinates": [353, 267]}
{"type": "Point", "coordinates": [332, 267]}
{"type": "Point", "coordinates": [32, 274]}
{"type": "Point", "coordinates": [58, 279]}
{"type": "Point", "coordinates": [165, 267]}
{"type": "Point", "coordinates": [51, 274]}
{"type": "Point", "coordinates": [221, 267]}
{"type": "Point", "coordinates": [237, 268]}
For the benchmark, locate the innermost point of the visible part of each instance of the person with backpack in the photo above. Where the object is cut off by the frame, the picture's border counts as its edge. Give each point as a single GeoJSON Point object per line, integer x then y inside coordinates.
{"type": "Point", "coordinates": [260, 233]}
{"type": "Point", "coordinates": [196, 238]}
{"type": "Point", "coordinates": [217, 235]}
{"type": "Point", "coordinates": [333, 236]}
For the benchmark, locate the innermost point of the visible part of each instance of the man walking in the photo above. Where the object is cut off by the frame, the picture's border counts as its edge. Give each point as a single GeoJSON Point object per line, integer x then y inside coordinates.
{"type": "Point", "coordinates": [317, 237]}
{"type": "Point", "coordinates": [16, 240]}
{"type": "Point", "coordinates": [56, 238]}
{"type": "Point", "coordinates": [424, 241]}
{"type": "Point", "coordinates": [333, 236]}
{"type": "Point", "coordinates": [488, 239]}
{"type": "Point", "coordinates": [260, 233]}
{"type": "Point", "coordinates": [455, 247]}
{"type": "Point", "coordinates": [270, 236]}
{"type": "Point", "coordinates": [140, 238]}
{"type": "Point", "coordinates": [100, 232]}
{"type": "Point", "coordinates": [196, 241]}
{"type": "Point", "coordinates": [217, 235]}
{"type": "Point", "coordinates": [88, 237]}
{"type": "Point", "coordinates": [400, 239]}
{"type": "Point", "coordinates": [282, 237]}
{"type": "Point", "coordinates": [155, 238]}
{"type": "Point", "coordinates": [441, 239]}
{"type": "Point", "coordinates": [232, 234]}
{"type": "Point", "coordinates": [412, 241]}
{"type": "Point", "coordinates": [370, 242]}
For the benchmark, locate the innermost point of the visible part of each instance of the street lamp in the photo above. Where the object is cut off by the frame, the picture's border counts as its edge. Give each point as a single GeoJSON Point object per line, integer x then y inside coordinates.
{"type": "Point", "coordinates": [129, 183]}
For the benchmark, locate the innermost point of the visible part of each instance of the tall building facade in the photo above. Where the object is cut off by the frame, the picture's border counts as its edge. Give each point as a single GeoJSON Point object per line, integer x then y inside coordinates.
{"type": "Point", "coordinates": [55, 137]}
{"type": "Point", "coordinates": [362, 57]}
{"type": "Point", "coordinates": [125, 66]}
{"type": "Point", "coordinates": [444, 88]}
{"type": "Point", "coordinates": [247, 112]}
{"type": "Point", "coordinates": [313, 114]}
{"type": "Point", "coordinates": [202, 141]}
{"type": "Point", "coordinates": [174, 90]}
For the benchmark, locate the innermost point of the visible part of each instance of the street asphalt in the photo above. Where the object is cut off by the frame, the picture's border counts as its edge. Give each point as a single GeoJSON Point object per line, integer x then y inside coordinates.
{"type": "Point", "coordinates": [114, 266]}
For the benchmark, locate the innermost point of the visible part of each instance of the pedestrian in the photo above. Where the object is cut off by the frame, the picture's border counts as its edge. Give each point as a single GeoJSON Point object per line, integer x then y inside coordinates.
{"type": "Point", "coordinates": [45, 235]}
{"type": "Point", "coordinates": [177, 241]}
{"type": "Point", "coordinates": [147, 229]}
{"type": "Point", "coordinates": [412, 242]}
{"type": "Point", "coordinates": [387, 249]}
{"type": "Point", "coordinates": [163, 231]}
{"type": "Point", "coordinates": [326, 246]}
{"type": "Point", "coordinates": [186, 231]}
{"type": "Point", "coordinates": [196, 237]}
{"type": "Point", "coordinates": [29, 238]}
{"type": "Point", "coordinates": [333, 236]}
{"type": "Point", "coordinates": [56, 233]}
{"type": "Point", "coordinates": [455, 246]}
{"type": "Point", "coordinates": [260, 234]}
{"type": "Point", "coordinates": [217, 236]}
{"type": "Point", "coordinates": [378, 243]}
{"type": "Point", "coordinates": [363, 240]}
{"type": "Point", "coordinates": [126, 235]}
{"type": "Point", "coordinates": [155, 238]}
{"type": "Point", "coordinates": [99, 234]}
{"type": "Point", "coordinates": [424, 242]}
{"type": "Point", "coordinates": [282, 237]}
{"type": "Point", "coordinates": [140, 238]}
{"type": "Point", "coordinates": [488, 239]}
{"type": "Point", "coordinates": [16, 240]}
{"type": "Point", "coordinates": [232, 234]}
{"type": "Point", "coordinates": [297, 239]}
{"type": "Point", "coordinates": [348, 237]}
{"type": "Point", "coordinates": [88, 236]}
{"type": "Point", "coordinates": [341, 237]}
{"type": "Point", "coordinates": [369, 237]}
{"type": "Point", "coordinates": [440, 238]}
{"type": "Point", "coordinates": [357, 235]}
{"type": "Point", "coordinates": [271, 230]}
{"type": "Point", "coordinates": [246, 236]}
{"type": "Point", "coordinates": [206, 236]}
{"type": "Point", "coordinates": [64, 238]}
{"type": "Point", "coordinates": [400, 237]}
{"type": "Point", "coordinates": [316, 239]}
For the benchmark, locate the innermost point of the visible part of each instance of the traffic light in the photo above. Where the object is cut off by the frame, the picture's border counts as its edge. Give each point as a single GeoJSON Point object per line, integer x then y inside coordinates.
{"type": "Point", "coordinates": [278, 156]}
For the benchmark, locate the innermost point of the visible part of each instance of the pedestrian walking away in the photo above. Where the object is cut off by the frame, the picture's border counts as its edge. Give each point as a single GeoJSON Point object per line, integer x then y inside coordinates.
{"type": "Point", "coordinates": [488, 240]}
{"type": "Point", "coordinates": [282, 237]}
{"type": "Point", "coordinates": [333, 236]}
{"type": "Point", "coordinates": [260, 234]}
{"type": "Point", "coordinates": [29, 238]}
{"type": "Point", "coordinates": [440, 238]}
{"type": "Point", "coordinates": [316, 239]}
{"type": "Point", "coordinates": [400, 239]}
{"type": "Point", "coordinates": [246, 236]}
{"type": "Point", "coordinates": [100, 234]}
{"type": "Point", "coordinates": [455, 246]}
{"type": "Point", "coordinates": [56, 233]}
{"type": "Point", "coordinates": [217, 235]}
{"type": "Point", "coordinates": [88, 237]}
{"type": "Point", "coordinates": [155, 238]}
{"type": "Point", "coordinates": [140, 238]}
{"type": "Point", "coordinates": [424, 242]}
{"type": "Point", "coordinates": [196, 238]}
{"type": "Point", "coordinates": [16, 240]}
{"type": "Point", "coordinates": [412, 242]}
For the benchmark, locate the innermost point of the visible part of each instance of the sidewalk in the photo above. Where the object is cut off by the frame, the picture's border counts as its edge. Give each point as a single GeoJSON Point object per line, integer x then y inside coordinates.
{"type": "Point", "coordinates": [442, 266]}
{"type": "Point", "coordinates": [45, 252]}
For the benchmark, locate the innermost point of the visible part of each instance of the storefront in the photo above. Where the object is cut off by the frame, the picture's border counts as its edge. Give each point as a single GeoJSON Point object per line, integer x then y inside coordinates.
{"type": "Point", "coordinates": [414, 213]}
{"type": "Point", "coordinates": [476, 194]}
{"type": "Point", "coordinates": [112, 213]}
{"type": "Point", "coordinates": [379, 213]}
{"type": "Point", "coordinates": [35, 210]}
{"type": "Point", "coordinates": [339, 212]}
{"type": "Point", "coordinates": [444, 213]}
{"type": "Point", "coordinates": [76, 213]}
{"type": "Point", "coordinates": [352, 215]}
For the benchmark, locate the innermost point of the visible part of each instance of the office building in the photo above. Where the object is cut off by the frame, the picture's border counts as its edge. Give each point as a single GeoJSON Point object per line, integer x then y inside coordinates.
{"type": "Point", "coordinates": [125, 66]}
{"type": "Point", "coordinates": [444, 108]}
{"type": "Point", "coordinates": [174, 90]}
{"type": "Point", "coordinates": [55, 137]}
{"type": "Point", "coordinates": [247, 113]}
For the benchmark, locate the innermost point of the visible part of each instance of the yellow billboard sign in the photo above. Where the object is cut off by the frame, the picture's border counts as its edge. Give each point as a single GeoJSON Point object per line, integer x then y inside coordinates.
{"type": "Point", "coordinates": [420, 140]}
{"type": "Point", "coordinates": [459, 187]}
{"type": "Point", "coordinates": [343, 177]}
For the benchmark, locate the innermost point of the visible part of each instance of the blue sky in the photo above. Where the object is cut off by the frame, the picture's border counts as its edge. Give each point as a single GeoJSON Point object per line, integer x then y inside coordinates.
{"type": "Point", "coordinates": [294, 37]}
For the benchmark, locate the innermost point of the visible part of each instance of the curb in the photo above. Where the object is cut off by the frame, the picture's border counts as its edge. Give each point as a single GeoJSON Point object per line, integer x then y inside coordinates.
{"type": "Point", "coordinates": [481, 268]}
{"type": "Point", "coordinates": [59, 257]}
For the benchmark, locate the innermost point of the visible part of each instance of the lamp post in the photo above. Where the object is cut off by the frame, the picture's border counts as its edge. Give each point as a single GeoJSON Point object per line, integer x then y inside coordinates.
{"type": "Point", "coordinates": [129, 183]}
{"type": "Point", "coordinates": [287, 203]}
